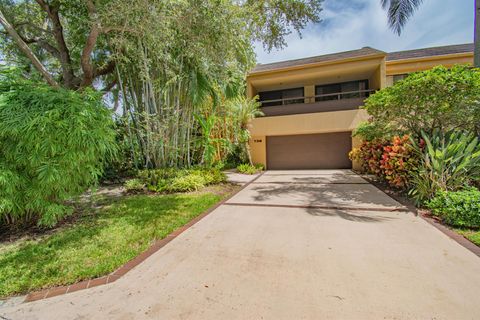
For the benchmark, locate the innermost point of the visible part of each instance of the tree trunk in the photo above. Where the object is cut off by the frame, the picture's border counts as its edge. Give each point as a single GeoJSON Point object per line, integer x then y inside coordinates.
{"type": "Point", "coordinates": [476, 55]}
{"type": "Point", "coordinates": [27, 51]}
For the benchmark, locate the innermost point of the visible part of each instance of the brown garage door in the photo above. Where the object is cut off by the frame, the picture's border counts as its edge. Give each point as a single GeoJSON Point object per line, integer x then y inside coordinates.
{"type": "Point", "coordinates": [309, 151]}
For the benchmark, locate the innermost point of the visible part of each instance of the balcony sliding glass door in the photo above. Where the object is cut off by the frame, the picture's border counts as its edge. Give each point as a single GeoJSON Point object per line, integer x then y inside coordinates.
{"type": "Point", "coordinates": [344, 90]}
{"type": "Point", "coordinates": [282, 97]}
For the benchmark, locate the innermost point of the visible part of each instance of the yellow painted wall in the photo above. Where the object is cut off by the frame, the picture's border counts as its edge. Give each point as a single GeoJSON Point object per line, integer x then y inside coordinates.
{"type": "Point", "coordinates": [309, 92]}
{"type": "Point", "coordinates": [333, 72]}
{"type": "Point", "coordinates": [421, 64]}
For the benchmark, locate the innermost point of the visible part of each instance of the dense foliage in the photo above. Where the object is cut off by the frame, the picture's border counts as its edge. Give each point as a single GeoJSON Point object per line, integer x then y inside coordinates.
{"type": "Point", "coordinates": [438, 99]}
{"type": "Point", "coordinates": [79, 43]}
{"type": "Point", "coordinates": [458, 208]}
{"type": "Point", "coordinates": [174, 180]}
{"type": "Point", "coordinates": [448, 161]}
{"type": "Point", "coordinates": [437, 114]}
{"type": "Point", "coordinates": [172, 69]}
{"type": "Point", "coordinates": [53, 145]}
{"type": "Point", "coordinates": [393, 160]}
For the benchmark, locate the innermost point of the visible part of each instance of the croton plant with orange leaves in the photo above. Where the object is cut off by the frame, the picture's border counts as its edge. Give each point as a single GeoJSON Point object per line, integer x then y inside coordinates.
{"type": "Point", "coordinates": [392, 160]}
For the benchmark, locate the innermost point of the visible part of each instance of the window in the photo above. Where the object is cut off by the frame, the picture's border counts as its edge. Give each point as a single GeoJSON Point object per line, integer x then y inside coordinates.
{"type": "Point", "coordinates": [281, 97]}
{"type": "Point", "coordinates": [344, 90]}
{"type": "Point", "coordinates": [399, 77]}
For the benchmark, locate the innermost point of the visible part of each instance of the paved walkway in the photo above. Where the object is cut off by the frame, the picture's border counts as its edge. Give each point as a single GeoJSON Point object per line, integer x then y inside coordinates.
{"type": "Point", "coordinates": [292, 245]}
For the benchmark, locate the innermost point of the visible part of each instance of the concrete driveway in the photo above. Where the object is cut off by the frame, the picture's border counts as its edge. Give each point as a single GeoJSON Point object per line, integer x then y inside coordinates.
{"type": "Point", "coordinates": [292, 245]}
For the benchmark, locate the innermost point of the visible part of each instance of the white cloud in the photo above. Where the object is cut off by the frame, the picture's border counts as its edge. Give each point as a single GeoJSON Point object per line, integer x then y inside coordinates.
{"type": "Point", "coordinates": [350, 25]}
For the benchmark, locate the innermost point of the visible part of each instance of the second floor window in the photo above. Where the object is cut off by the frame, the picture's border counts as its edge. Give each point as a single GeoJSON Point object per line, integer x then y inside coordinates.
{"type": "Point", "coordinates": [399, 77]}
{"type": "Point", "coordinates": [344, 90]}
{"type": "Point", "coordinates": [281, 97]}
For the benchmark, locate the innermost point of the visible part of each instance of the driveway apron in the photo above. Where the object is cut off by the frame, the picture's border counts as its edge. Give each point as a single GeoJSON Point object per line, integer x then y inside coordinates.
{"type": "Point", "coordinates": [306, 244]}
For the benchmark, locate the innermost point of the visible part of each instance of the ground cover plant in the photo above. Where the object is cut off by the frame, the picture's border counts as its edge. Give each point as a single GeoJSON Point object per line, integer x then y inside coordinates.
{"type": "Point", "coordinates": [171, 180]}
{"type": "Point", "coordinates": [457, 208]}
{"type": "Point", "coordinates": [249, 169]}
{"type": "Point", "coordinates": [97, 242]}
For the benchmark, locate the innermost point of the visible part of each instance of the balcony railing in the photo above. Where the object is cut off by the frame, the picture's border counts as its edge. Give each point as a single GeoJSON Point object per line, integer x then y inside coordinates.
{"type": "Point", "coordinates": [320, 97]}
{"type": "Point", "coordinates": [339, 101]}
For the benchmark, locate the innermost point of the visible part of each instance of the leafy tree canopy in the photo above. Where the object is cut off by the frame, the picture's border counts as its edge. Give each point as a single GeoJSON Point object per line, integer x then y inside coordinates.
{"type": "Point", "coordinates": [80, 42]}
{"type": "Point", "coordinates": [438, 99]}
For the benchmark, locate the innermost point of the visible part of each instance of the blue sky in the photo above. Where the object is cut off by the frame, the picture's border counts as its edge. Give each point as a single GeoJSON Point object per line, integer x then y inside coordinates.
{"type": "Point", "coordinates": [353, 24]}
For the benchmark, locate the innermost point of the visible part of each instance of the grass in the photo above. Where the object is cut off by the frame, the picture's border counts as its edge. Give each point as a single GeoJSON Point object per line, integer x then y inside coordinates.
{"type": "Point", "coordinates": [472, 235]}
{"type": "Point", "coordinates": [96, 243]}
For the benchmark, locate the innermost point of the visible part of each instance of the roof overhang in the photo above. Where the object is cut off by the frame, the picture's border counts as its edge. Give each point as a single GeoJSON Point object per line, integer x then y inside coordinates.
{"type": "Point", "coordinates": [317, 64]}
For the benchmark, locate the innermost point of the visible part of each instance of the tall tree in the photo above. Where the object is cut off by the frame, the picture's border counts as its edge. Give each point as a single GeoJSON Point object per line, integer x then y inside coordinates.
{"type": "Point", "coordinates": [62, 36]}
{"type": "Point", "coordinates": [75, 43]}
{"type": "Point", "coordinates": [399, 11]}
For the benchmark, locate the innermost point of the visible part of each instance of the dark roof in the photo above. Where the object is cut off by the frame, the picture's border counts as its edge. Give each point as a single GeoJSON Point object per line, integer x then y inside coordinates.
{"type": "Point", "coordinates": [430, 52]}
{"type": "Point", "coordinates": [366, 51]}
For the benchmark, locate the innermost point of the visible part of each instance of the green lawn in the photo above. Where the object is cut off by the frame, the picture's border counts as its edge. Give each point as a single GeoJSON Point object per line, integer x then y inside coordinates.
{"type": "Point", "coordinates": [97, 243]}
{"type": "Point", "coordinates": [472, 235]}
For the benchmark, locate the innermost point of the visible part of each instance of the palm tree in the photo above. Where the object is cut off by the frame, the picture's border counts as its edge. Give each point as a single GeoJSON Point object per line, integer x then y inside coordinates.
{"type": "Point", "coordinates": [399, 11]}
{"type": "Point", "coordinates": [245, 110]}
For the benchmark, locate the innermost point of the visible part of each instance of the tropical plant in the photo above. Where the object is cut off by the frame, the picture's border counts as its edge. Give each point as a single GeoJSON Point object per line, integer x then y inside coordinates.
{"type": "Point", "coordinates": [168, 180]}
{"type": "Point", "coordinates": [161, 62]}
{"type": "Point", "coordinates": [369, 155]}
{"type": "Point", "coordinates": [394, 160]}
{"type": "Point", "coordinates": [457, 208]}
{"type": "Point", "coordinates": [399, 161]}
{"type": "Point", "coordinates": [244, 111]}
{"type": "Point", "coordinates": [134, 185]}
{"type": "Point", "coordinates": [247, 168]}
{"type": "Point", "coordinates": [448, 162]}
{"type": "Point", "coordinates": [54, 144]}
{"type": "Point", "coordinates": [206, 141]}
{"type": "Point", "coordinates": [400, 11]}
{"type": "Point", "coordinates": [438, 99]}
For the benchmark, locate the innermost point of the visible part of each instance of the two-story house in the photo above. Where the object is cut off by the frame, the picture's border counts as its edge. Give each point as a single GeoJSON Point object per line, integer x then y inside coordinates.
{"type": "Point", "coordinates": [311, 105]}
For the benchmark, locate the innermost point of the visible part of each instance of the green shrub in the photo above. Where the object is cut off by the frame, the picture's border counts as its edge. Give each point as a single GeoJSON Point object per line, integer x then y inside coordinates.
{"type": "Point", "coordinates": [190, 182]}
{"type": "Point", "coordinates": [438, 99]}
{"type": "Point", "coordinates": [134, 185]}
{"type": "Point", "coordinates": [211, 175]}
{"type": "Point", "coordinates": [153, 177]}
{"type": "Point", "coordinates": [457, 208]}
{"type": "Point", "coordinates": [180, 180]}
{"type": "Point", "coordinates": [53, 145]}
{"type": "Point", "coordinates": [448, 162]}
{"type": "Point", "coordinates": [249, 169]}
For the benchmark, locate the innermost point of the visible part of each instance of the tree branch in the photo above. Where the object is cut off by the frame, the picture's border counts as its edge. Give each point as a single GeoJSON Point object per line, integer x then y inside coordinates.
{"type": "Point", "coordinates": [27, 51]}
{"type": "Point", "coordinates": [85, 59]}
{"type": "Point", "coordinates": [106, 69]}
{"type": "Point", "coordinates": [109, 86]}
{"type": "Point", "coordinates": [64, 52]}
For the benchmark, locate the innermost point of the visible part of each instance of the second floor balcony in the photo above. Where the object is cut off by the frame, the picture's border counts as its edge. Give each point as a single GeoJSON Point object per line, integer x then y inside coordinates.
{"type": "Point", "coordinates": [295, 101]}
